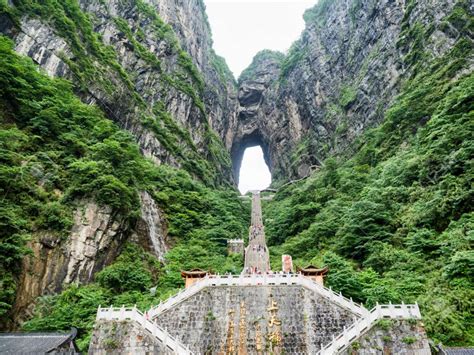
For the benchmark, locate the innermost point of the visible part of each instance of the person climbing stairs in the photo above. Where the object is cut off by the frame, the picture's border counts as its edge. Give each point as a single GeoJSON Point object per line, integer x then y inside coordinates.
{"type": "Point", "coordinates": [257, 259]}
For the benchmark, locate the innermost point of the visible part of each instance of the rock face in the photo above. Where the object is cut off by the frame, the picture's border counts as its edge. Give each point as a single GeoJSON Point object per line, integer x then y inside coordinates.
{"type": "Point", "coordinates": [254, 126]}
{"type": "Point", "coordinates": [336, 81]}
{"type": "Point", "coordinates": [149, 65]}
{"type": "Point", "coordinates": [152, 224]}
{"type": "Point", "coordinates": [95, 240]}
{"type": "Point", "coordinates": [163, 83]}
{"type": "Point", "coordinates": [151, 75]}
{"type": "Point", "coordinates": [202, 321]}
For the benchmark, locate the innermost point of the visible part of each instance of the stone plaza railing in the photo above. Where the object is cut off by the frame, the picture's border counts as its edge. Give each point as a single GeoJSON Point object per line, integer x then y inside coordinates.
{"type": "Point", "coordinates": [133, 314]}
{"type": "Point", "coordinates": [258, 280]}
{"type": "Point", "coordinates": [342, 341]}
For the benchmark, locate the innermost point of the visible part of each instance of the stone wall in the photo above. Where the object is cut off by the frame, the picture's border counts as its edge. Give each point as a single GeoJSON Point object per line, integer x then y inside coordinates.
{"type": "Point", "coordinates": [308, 320]}
{"type": "Point", "coordinates": [124, 337]}
{"type": "Point", "coordinates": [388, 336]}
{"type": "Point", "coordinates": [235, 246]}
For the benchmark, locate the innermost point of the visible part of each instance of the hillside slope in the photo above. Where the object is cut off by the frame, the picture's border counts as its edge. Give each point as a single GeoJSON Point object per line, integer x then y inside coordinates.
{"type": "Point", "coordinates": [76, 187]}
{"type": "Point", "coordinates": [394, 222]}
{"type": "Point", "coordinates": [123, 133]}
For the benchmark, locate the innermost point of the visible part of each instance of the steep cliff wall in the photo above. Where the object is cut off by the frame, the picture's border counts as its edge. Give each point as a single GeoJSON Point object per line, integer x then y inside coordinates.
{"type": "Point", "coordinates": [337, 80]}
{"type": "Point", "coordinates": [149, 66]}
{"type": "Point", "coordinates": [96, 238]}
{"type": "Point", "coordinates": [382, 217]}
{"type": "Point", "coordinates": [163, 84]}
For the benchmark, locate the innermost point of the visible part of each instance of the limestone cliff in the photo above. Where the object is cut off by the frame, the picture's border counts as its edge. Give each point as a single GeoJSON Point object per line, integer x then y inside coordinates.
{"type": "Point", "coordinates": [149, 65]}
{"type": "Point", "coordinates": [162, 83]}
{"type": "Point", "coordinates": [337, 80]}
{"type": "Point", "coordinates": [96, 239]}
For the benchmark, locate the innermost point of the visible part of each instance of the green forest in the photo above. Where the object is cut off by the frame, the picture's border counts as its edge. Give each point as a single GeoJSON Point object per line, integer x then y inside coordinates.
{"type": "Point", "coordinates": [392, 219]}
{"type": "Point", "coordinates": [55, 151]}
{"type": "Point", "coordinates": [394, 222]}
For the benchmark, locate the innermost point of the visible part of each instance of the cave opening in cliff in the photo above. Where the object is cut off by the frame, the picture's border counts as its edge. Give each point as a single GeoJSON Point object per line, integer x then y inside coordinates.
{"type": "Point", "coordinates": [254, 173]}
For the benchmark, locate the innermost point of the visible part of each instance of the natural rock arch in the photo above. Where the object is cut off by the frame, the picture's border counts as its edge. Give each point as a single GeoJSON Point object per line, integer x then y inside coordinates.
{"type": "Point", "coordinates": [255, 138]}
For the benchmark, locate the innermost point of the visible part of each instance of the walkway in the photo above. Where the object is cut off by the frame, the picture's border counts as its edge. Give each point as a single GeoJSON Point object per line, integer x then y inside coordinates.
{"type": "Point", "coordinates": [257, 259]}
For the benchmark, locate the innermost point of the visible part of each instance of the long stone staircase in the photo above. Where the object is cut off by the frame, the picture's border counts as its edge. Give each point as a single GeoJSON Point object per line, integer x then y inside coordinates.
{"type": "Point", "coordinates": [257, 259]}
{"type": "Point", "coordinates": [203, 318]}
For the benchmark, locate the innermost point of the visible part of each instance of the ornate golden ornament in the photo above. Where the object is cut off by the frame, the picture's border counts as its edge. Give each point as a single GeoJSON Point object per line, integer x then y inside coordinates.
{"type": "Point", "coordinates": [242, 330]}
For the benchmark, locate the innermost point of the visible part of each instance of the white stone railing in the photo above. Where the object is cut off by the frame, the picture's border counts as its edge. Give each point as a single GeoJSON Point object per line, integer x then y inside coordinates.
{"type": "Point", "coordinates": [257, 280]}
{"type": "Point", "coordinates": [134, 314]}
{"type": "Point", "coordinates": [240, 241]}
{"type": "Point", "coordinates": [343, 340]}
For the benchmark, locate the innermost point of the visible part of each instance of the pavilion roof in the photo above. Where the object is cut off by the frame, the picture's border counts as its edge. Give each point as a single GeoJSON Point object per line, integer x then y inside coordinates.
{"type": "Point", "coordinates": [36, 342]}
{"type": "Point", "coordinates": [193, 273]}
{"type": "Point", "coordinates": [311, 269]}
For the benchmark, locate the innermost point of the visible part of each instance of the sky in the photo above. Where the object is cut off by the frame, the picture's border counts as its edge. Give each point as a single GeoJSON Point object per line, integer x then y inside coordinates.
{"type": "Point", "coordinates": [242, 28]}
{"type": "Point", "coordinates": [254, 173]}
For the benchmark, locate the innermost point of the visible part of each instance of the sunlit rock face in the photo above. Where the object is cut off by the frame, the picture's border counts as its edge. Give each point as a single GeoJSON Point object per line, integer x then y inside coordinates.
{"type": "Point", "coordinates": [95, 240]}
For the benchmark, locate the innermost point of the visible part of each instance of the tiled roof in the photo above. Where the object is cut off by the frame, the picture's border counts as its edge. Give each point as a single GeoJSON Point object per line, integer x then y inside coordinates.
{"type": "Point", "coordinates": [457, 351]}
{"type": "Point", "coordinates": [32, 343]}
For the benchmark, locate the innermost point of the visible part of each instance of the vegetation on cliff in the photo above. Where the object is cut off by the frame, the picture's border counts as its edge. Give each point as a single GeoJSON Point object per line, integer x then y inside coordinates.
{"type": "Point", "coordinates": [55, 150]}
{"type": "Point", "coordinates": [96, 67]}
{"type": "Point", "coordinates": [394, 222]}
{"type": "Point", "coordinates": [262, 56]}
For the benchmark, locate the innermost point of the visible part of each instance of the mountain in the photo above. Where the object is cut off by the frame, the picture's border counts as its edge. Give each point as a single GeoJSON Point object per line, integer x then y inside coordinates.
{"type": "Point", "coordinates": [119, 156]}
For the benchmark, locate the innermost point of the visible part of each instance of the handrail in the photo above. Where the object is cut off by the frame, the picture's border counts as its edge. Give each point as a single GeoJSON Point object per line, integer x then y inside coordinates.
{"type": "Point", "coordinates": [339, 343]}
{"type": "Point", "coordinates": [258, 280]}
{"type": "Point", "coordinates": [132, 313]}
{"type": "Point", "coordinates": [348, 335]}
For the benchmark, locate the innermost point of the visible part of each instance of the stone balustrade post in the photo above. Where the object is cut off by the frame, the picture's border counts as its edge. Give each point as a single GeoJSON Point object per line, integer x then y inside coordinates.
{"type": "Point", "coordinates": [357, 327]}
{"type": "Point", "coordinates": [98, 315]}
{"type": "Point", "coordinates": [155, 328]}
{"type": "Point", "coordinates": [345, 335]}
{"type": "Point", "coordinates": [110, 313]}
